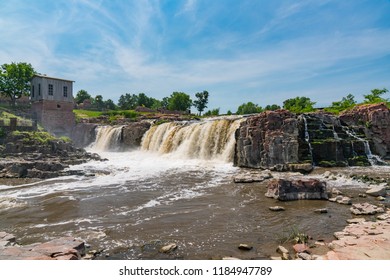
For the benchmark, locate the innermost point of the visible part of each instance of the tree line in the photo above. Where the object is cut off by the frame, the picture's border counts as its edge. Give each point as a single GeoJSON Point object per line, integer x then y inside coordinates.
{"type": "Point", "coordinates": [177, 101]}
{"type": "Point", "coordinates": [15, 82]}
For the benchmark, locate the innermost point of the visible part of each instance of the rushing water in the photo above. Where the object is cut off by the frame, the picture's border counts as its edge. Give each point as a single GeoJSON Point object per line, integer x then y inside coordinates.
{"type": "Point", "coordinates": [140, 200]}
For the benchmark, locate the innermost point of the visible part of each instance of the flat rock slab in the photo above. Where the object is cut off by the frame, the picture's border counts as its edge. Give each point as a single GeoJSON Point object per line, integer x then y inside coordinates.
{"type": "Point", "coordinates": [66, 248]}
{"type": "Point", "coordinates": [377, 191]}
{"type": "Point", "coordinates": [366, 209]}
{"type": "Point", "coordinates": [363, 241]}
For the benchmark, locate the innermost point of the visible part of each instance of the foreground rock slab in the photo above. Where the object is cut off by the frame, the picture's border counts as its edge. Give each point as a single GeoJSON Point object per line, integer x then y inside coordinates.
{"type": "Point", "coordinates": [65, 248]}
{"type": "Point", "coordinates": [362, 241]}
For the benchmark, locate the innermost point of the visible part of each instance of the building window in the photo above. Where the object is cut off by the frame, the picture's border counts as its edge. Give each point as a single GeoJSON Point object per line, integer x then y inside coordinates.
{"type": "Point", "coordinates": [39, 89]}
{"type": "Point", "coordinates": [33, 92]}
{"type": "Point", "coordinates": [65, 91]}
{"type": "Point", "coordinates": [50, 89]}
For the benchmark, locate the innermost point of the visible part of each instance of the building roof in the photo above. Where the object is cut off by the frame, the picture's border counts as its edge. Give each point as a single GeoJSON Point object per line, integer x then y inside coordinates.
{"type": "Point", "coordinates": [53, 78]}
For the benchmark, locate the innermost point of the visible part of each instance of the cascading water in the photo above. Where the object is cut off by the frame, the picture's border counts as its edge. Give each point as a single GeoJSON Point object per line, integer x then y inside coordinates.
{"type": "Point", "coordinates": [372, 159]}
{"type": "Point", "coordinates": [307, 138]}
{"type": "Point", "coordinates": [209, 139]}
{"type": "Point", "coordinates": [107, 138]}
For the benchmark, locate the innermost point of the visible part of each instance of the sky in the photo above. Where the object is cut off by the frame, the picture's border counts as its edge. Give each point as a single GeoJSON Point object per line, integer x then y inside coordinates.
{"type": "Point", "coordinates": [240, 51]}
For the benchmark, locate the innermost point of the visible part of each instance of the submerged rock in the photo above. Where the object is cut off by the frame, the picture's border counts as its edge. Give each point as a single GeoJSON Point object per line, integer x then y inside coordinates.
{"type": "Point", "coordinates": [245, 247]}
{"type": "Point", "coordinates": [277, 208]}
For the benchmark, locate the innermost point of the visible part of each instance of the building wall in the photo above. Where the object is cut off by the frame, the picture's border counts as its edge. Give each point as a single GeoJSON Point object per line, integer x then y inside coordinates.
{"type": "Point", "coordinates": [40, 89]}
{"type": "Point", "coordinates": [57, 117]}
{"type": "Point", "coordinates": [54, 112]}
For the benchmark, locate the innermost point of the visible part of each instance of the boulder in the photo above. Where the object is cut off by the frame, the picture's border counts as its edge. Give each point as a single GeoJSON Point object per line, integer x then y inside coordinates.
{"type": "Point", "coordinates": [168, 248]}
{"type": "Point", "coordinates": [297, 189]}
{"type": "Point", "coordinates": [377, 191]}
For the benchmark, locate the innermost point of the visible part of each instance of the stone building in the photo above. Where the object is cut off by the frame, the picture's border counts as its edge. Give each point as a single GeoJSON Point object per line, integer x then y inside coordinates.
{"type": "Point", "coordinates": [52, 104]}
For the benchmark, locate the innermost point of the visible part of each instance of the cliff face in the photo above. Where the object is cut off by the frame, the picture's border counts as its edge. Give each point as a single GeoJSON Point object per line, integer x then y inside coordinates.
{"type": "Point", "coordinates": [281, 140]}
{"type": "Point", "coordinates": [374, 120]}
{"type": "Point", "coordinates": [268, 139]}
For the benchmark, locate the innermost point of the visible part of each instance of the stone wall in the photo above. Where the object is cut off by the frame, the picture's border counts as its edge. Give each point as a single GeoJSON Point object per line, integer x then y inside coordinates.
{"type": "Point", "coordinates": [57, 117]}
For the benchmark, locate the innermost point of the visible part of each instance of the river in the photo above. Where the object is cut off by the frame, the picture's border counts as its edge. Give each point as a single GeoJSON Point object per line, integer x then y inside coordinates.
{"type": "Point", "coordinates": [137, 201]}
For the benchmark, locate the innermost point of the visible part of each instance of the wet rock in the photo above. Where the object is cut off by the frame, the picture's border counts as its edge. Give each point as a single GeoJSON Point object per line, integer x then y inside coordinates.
{"type": "Point", "coordinates": [321, 210]}
{"type": "Point", "coordinates": [230, 258]}
{"type": "Point", "coordinates": [341, 199]}
{"type": "Point", "coordinates": [366, 209]}
{"type": "Point", "coordinates": [304, 256]}
{"type": "Point", "coordinates": [245, 247]}
{"type": "Point", "coordinates": [301, 248]}
{"type": "Point", "coordinates": [66, 248]}
{"type": "Point", "coordinates": [168, 248]}
{"type": "Point", "coordinates": [336, 191]}
{"type": "Point", "coordinates": [356, 220]}
{"type": "Point", "coordinates": [277, 208]}
{"type": "Point", "coordinates": [132, 134]}
{"type": "Point", "coordinates": [363, 195]}
{"type": "Point", "coordinates": [285, 190]}
{"type": "Point", "coordinates": [377, 191]}
{"type": "Point", "coordinates": [282, 250]}
{"type": "Point", "coordinates": [381, 198]}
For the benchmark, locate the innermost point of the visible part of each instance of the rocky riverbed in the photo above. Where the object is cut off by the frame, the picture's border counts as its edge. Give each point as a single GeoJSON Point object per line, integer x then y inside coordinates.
{"type": "Point", "coordinates": [28, 155]}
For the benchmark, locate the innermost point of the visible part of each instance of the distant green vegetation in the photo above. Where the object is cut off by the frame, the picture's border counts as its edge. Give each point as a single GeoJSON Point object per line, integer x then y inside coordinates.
{"type": "Point", "coordinates": [85, 114]}
{"type": "Point", "coordinates": [41, 137]}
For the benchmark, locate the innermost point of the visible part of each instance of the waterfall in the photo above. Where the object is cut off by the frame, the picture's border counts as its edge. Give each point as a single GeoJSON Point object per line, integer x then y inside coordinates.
{"type": "Point", "coordinates": [208, 139]}
{"type": "Point", "coordinates": [372, 159]}
{"type": "Point", "coordinates": [107, 138]}
{"type": "Point", "coordinates": [307, 138]}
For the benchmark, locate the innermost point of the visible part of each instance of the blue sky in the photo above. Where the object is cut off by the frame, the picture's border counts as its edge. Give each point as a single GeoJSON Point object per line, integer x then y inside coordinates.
{"type": "Point", "coordinates": [238, 50]}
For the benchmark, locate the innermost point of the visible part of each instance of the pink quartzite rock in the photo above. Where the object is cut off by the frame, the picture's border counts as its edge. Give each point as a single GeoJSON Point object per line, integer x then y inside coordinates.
{"type": "Point", "coordinates": [297, 189]}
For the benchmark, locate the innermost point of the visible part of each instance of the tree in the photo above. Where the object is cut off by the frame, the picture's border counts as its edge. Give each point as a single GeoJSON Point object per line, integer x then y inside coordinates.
{"type": "Point", "coordinates": [272, 107]}
{"type": "Point", "coordinates": [15, 80]}
{"type": "Point", "coordinates": [128, 101]}
{"type": "Point", "coordinates": [299, 105]}
{"type": "Point", "coordinates": [81, 96]}
{"type": "Point", "coordinates": [98, 102]}
{"type": "Point", "coordinates": [375, 96]}
{"type": "Point", "coordinates": [213, 112]}
{"type": "Point", "coordinates": [109, 104]}
{"type": "Point", "coordinates": [179, 101]}
{"type": "Point", "coordinates": [201, 102]}
{"type": "Point", "coordinates": [345, 103]}
{"type": "Point", "coordinates": [249, 108]}
{"type": "Point", "coordinates": [144, 101]}
{"type": "Point", "coordinates": [165, 102]}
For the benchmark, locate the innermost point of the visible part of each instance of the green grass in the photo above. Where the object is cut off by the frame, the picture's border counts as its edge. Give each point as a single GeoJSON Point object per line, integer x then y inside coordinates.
{"type": "Point", "coordinates": [86, 114]}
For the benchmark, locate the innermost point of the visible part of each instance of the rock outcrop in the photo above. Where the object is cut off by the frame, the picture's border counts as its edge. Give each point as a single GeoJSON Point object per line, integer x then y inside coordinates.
{"type": "Point", "coordinates": [132, 134]}
{"type": "Point", "coordinates": [29, 155]}
{"type": "Point", "coordinates": [374, 120]}
{"type": "Point", "coordinates": [286, 190]}
{"type": "Point", "coordinates": [268, 140]}
{"type": "Point", "coordinates": [283, 141]}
